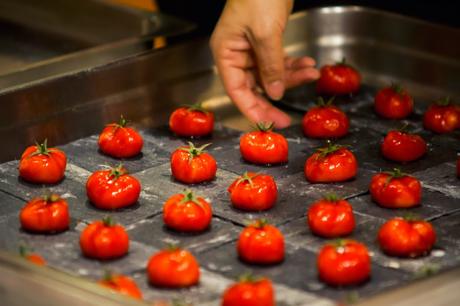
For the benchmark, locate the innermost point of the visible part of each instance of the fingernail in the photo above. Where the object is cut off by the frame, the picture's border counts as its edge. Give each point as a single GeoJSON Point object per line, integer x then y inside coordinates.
{"type": "Point", "coordinates": [275, 90]}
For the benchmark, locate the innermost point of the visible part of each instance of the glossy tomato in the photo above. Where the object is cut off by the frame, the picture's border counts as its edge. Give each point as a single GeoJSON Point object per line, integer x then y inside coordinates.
{"type": "Point", "coordinates": [406, 237]}
{"type": "Point", "coordinates": [42, 165]}
{"type": "Point", "coordinates": [104, 240]}
{"type": "Point", "coordinates": [264, 146]}
{"type": "Point", "coordinates": [331, 217]}
{"type": "Point", "coordinates": [193, 165]}
{"type": "Point", "coordinates": [393, 102]}
{"type": "Point", "coordinates": [249, 291]}
{"type": "Point", "coordinates": [113, 188]}
{"type": "Point", "coordinates": [344, 263]}
{"type": "Point", "coordinates": [120, 141]}
{"type": "Point", "coordinates": [261, 243]}
{"type": "Point", "coordinates": [121, 284]}
{"type": "Point", "coordinates": [403, 147]}
{"type": "Point", "coordinates": [186, 212]}
{"type": "Point", "coordinates": [173, 268]}
{"type": "Point", "coordinates": [253, 192]}
{"type": "Point", "coordinates": [395, 189]}
{"type": "Point", "coordinates": [191, 121]}
{"type": "Point", "coordinates": [442, 117]}
{"type": "Point", "coordinates": [339, 79]}
{"type": "Point", "coordinates": [333, 163]}
{"type": "Point", "coordinates": [32, 257]}
{"type": "Point", "coordinates": [47, 214]}
{"type": "Point", "coordinates": [325, 121]}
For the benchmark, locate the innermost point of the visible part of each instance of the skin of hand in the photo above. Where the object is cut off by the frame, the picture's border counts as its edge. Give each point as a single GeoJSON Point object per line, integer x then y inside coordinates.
{"type": "Point", "coordinates": [247, 46]}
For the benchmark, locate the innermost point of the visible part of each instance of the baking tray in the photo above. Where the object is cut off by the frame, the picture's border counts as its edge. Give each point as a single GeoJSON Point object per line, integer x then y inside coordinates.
{"type": "Point", "coordinates": [74, 107]}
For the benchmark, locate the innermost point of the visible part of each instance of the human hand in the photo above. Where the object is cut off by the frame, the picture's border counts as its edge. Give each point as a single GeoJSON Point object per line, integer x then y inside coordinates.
{"type": "Point", "coordinates": [247, 45]}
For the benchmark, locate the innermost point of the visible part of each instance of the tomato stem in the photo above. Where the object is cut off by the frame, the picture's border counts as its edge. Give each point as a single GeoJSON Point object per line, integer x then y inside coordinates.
{"type": "Point", "coordinates": [248, 277]}
{"type": "Point", "coordinates": [108, 276]}
{"type": "Point", "coordinates": [264, 126]}
{"type": "Point", "coordinates": [259, 224]}
{"type": "Point", "coordinates": [321, 103]}
{"type": "Point", "coordinates": [411, 217]}
{"type": "Point", "coordinates": [328, 149]}
{"type": "Point", "coordinates": [332, 197]}
{"type": "Point", "coordinates": [42, 149]}
{"type": "Point", "coordinates": [194, 151]}
{"type": "Point", "coordinates": [444, 101]}
{"type": "Point", "coordinates": [108, 221]}
{"type": "Point", "coordinates": [172, 247]}
{"type": "Point", "coordinates": [49, 197]}
{"type": "Point", "coordinates": [396, 173]}
{"type": "Point", "coordinates": [189, 196]}
{"type": "Point", "coordinates": [246, 178]}
{"type": "Point", "coordinates": [197, 107]}
{"type": "Point", "coordinates": [397, 88]}
{"type": "Point", "coordinates": [118, 171]}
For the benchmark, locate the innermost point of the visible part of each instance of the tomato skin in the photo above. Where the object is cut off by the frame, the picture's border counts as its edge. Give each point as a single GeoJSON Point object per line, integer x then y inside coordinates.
{"type": "Point", "coordinates": [339, 79]}
{"type": "Point", "coordinates": [120, 141]}
{"type": "Point", "coordinates": [391, 104]}
{"type": "Point", "coordinates": [338, 166]}
{"type": "Point", "coordinates": [104, 241]}
{"type": "Point", "coordinates": [441, 118]}
{"type": "Point", "coordinates": [249, 293]}
{"type": "Point", "coordinates": [42, 168]}
{"type": "Point", "coordinates": [264, 148]}
{"type": "Point", "coordinates": [399, 192]}
{"type": "Point", "coordinates": [121, 284]}
{"type": "Point", "coordinates": [173, 269]}
{"type": "Point", "coordinates": [258, 192]}
{"type": "Point", "coordinates": [331, 219]}
{"type": "Point", "coordinates": [186, 122]}
{"type": "Point", "coordinates": [405, 238]}
{"type": "Point", "coordinates": [261, 243]}
{"type": "Point", "coordinates": [198, 169]}
{"type": "Point", "coordinates": [189, 216]}
{"type": "Point", "coordinates": [403, 147]}
{"type": "Point", "coordinates": [107, 190]}
{"type": "Point", "coordinates": [36, 259]}
{"type": "Point", "coordinates": [325, 122]}
{"type": "Point", "coordinates": [45, 215]}
{"type": "Point", "coordinates": [344, 265]}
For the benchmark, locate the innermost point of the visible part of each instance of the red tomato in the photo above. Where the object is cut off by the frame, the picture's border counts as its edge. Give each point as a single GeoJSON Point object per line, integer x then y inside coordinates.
{"type": "Point", "coordinates": [403, 147]}
{"type": "Point", "coordinates": [393, 102]}
{"type": "Point", "coordinates": [32, 257]}
{"type": "Point", "coordinates": [395, 189]}
{"type": "Point", "coordinates": [187, 213]}
{"type": "Point", "coordinates": [333, 163]}
{"type": "Point", "coordinates": [42, 165]}
{"type": "Point", "coordinates": [173, 268]}
{"type": "Point", "coordinates": [47, 214]}
{"type": "Point", "coordinates": [263, 146]}
{"type": "Point", "coordinates": [249, 292]}
{"type": "Point", "coordinates": [193, 165]}
{"type": "Point", "coordinates": [112, 189]}
{"type": "Point", "coordinates": [406, 237]}
{"type": "Point", "coordinates": [331, 217]}
{"type": "Point", "coordinates": [344, 263]}
{"type": "Point", "coordinates": [442, 117]}
{"type": "Point", "coordinates": [121, 284]}
{"type": "Point", "coordinates": [338, 79]}
{"type": "Point", "coordinates": [253, 192]}
{"type": "Point", "coordinates": [325, 121]}
{"type": "Point", "coordinates": [104, 240]}
{"type": "Point", "coordinates": [120, 141]}
{"type": "Point", "coordinates": [261, 243]}
{"type": "Point", "coordinates": [191, 121]}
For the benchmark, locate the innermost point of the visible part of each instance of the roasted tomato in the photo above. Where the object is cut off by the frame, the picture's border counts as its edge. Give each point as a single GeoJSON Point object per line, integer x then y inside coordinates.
{"type": "Point", "coordinates": [406, 237]}
{"type": "Point", "coordinates": [249, 291]}
{"type": "Point", "coordinates": [339, 79]}
{"type": "Point", "coordinates": [186, 212]}
{"type": "Point", "coordinates": [173, 268]}
{"type": "Point", "coordinates": [331, 217]}
{"type": "Point", "coordinates": [253, 192]}
{"type": "Point", "coordinates": [344, 263]}
{"type": "Point", "coordinates": [393, 102]}
{"type": "Point", "coordinates": [325, 121]}
{"type": "Point", "coordinates": [333, 163]}
{"type": "Point", "coordinates": [191, 121]}
{"type": "Point", "coordinates": [121, 284]}
{"type": "Point", "coordinates": [104, 240]}
{"type": "Point", "coordinates": [442, 117]}
{"type": "Point", "coordinates": [120, 141]}
{"type": "Point", "coordinates": [32, 257]}
{"type": "Point", "coordinates": [47, 214]}
{"type": "Point", "coordinates": [113, 188]}
{"type": "Point", "coordinates": [193, 165]}
{"type": "Point", "coordinates": [403, 147]}
{"type": "Point", "coordinates": [395, 189]}
{"type": "Point", "coordinates": [261, 243]}
{"type": "Point", "coordinates": [264, 147]}
{"type": "Point", "coordinates": [42, 165]}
